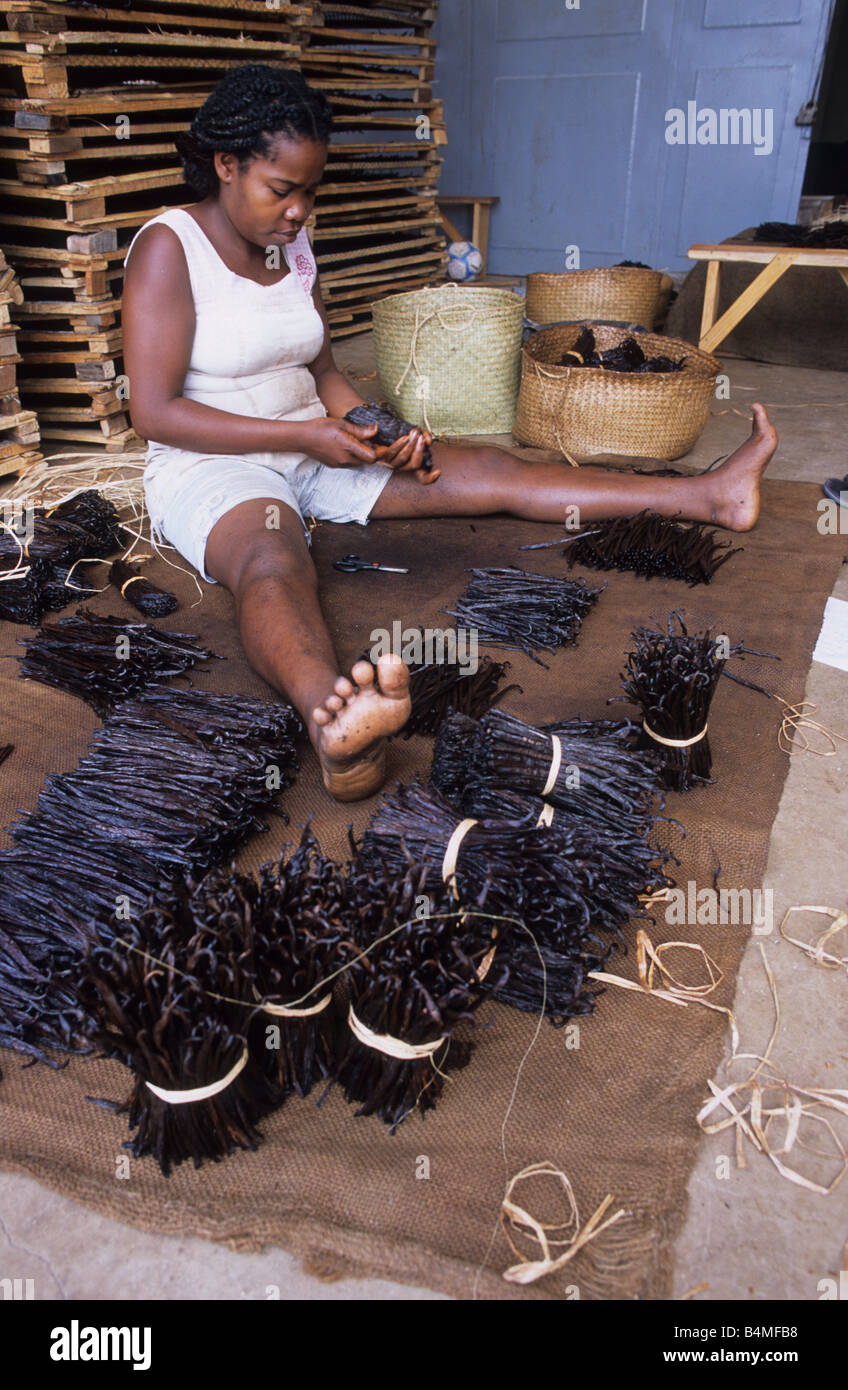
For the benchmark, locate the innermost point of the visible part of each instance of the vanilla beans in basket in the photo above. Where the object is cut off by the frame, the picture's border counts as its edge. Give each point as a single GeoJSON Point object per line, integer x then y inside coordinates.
{"type": "Point", "coordinates": [104, 660]}
{"type": "Point", "coordinates": [651, 545]}
{"type": "Point", "coordinates": [137, 590]}
{"type": "Point", "coordinates": [524, 612]}
{"type": "Point", "coordinates": [672, 677]}
{"type": "Point", "coordinates": [416, 979]}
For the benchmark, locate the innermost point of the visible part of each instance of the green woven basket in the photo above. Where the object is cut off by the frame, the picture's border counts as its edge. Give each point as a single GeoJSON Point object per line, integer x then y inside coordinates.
{"type": "Point", "coordinates": [449, 358]}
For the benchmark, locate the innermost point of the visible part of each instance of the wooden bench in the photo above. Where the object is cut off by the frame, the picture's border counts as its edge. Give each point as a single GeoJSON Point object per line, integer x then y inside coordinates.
{"type": "Point", "coordinates": [480, 222]}
{"type": "Point", "coordinates": [775, 261]}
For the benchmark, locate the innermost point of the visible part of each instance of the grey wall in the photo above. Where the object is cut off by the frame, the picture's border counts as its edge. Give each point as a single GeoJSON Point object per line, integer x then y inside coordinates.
{"type": "Point", "coordinates": [558, 108]}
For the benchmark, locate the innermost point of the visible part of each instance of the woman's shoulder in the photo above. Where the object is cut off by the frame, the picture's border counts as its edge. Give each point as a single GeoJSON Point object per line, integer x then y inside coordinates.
{"type": "Point", "coordinates": [162, 235]}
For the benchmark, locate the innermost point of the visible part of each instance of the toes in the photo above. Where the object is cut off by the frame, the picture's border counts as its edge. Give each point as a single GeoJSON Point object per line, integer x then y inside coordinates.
{"type": "Point", "coordinates": [344, 687]}
{"type": "Point", "coordinates": [321, 716]}
{"type": "Point", "coordinates": [363, 673]}
{"type": "Point", "coordinates": [393, 675]}
{"type": "Point", "coordinates": [334, 702]}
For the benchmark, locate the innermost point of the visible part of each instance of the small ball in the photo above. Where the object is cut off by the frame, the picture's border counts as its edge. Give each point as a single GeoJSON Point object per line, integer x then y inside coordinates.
{"type": "Point", "coordinates": [465, 260]}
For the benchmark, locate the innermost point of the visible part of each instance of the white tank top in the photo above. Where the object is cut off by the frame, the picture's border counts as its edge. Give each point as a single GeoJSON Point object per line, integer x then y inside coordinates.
{"type": "Point", "coordinates": [251, 342]}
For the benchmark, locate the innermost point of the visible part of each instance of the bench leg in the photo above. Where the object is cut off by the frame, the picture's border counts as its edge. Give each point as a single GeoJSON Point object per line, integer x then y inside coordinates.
{"type": "Point", "coordinates": [708, 315]}
{"type": "Point", "coordinates": [480, 231]}
{"type": "Point", "coordinates": [747, 299]}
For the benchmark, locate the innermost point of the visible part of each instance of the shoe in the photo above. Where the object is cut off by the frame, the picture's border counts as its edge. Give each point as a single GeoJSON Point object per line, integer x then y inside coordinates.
{"type": "Point", "coordinates": [837, 490]}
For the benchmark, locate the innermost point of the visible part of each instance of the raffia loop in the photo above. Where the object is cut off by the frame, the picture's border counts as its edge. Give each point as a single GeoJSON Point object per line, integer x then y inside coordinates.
{"type": "Point", "coordinates": [748, 1110]}
{"type": "Point", "coordinates": [659, 981]}
{"type": "Point", "coordinates": [793, 735]}
{"type": "Point", "coordinates": [196, 1093]}
{"type": "Point", "coordinates": [550, 1236]}
{"type": "Point", "coordinates": [452, 854]}
{"type": "Point", "coordinates": [674, 742]}
{"type": "Point", "coordinates": [389, 1046]}
{"type": "Point", "coordinates": [412, 360]}
{"type": "Point", "coordinates": [815, 950]}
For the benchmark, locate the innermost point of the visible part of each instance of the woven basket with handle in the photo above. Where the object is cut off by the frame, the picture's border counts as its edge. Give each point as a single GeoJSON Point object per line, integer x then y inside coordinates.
{"type": "Point", "coordinates": [625, 292]}
{"type": "Point", "coordinates": [587, 411]}
{"type": "Point", "coordinates": [449, 358]}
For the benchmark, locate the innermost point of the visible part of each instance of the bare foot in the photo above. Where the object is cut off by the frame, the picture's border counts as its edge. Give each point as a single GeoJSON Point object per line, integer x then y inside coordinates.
{"type": "Point", "coordinates": [350, 727]}
{"type": "Point", "coordinates": [734, 488]}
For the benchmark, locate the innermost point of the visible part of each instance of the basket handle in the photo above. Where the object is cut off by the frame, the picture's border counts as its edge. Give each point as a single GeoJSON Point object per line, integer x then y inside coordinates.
{"type": "Point", "coordinates": [420, 325]}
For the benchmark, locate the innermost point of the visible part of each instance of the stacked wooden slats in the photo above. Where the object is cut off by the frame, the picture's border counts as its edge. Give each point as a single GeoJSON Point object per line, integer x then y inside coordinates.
{"type": "Point", "coordinates": [376, 228]}
{"type": "Point", "coordinates": [18, 427]}
{"type": "Point", "coordinates": [83, 166]}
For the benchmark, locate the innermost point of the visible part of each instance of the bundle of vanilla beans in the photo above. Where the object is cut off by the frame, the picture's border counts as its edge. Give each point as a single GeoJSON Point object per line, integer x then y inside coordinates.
{"type": "Point", "coordinates": [302, 939]}
{"type": "Point", "coordinates": [566, 887]}
{"type": "Point", "coordinates": [672, 677]}
{"type": "Point", "coordinates": [590, 773]}
{"type": "Point", "coordinates": [437, 689]}
{"type": "Point", "coordinates": [172, 782]}
{"type": "Point", "coordinates": [420, 974]}
{"type": "Point", "coordinates": [40, 555]}
{"type": "Point", "coordinates": [104, 660]}
{"type": "Point", "coordinates": [150, 600]}
{"type": "Point", "coordinates": [651, 545]}
{"type": "Point", "coordinates": [172, 996]}
{"type": "Point", "coordinates": [525, 612]}
{"type": "Point", "coordinates": [390, 427]}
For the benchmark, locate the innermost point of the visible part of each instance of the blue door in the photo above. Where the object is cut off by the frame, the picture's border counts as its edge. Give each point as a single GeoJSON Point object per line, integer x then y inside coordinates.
{"type": "Point", "coordinates": [567, 112]}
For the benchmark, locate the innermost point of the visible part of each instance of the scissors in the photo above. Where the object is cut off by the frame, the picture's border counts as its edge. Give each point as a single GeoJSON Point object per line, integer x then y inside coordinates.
{"type": "Point", "coordinates": [349, 563]}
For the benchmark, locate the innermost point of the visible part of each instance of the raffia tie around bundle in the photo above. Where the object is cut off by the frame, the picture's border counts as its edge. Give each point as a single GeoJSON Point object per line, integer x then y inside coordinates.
{"type": "Point", "coordinates": [200, 1092]}
{"type": "Point", "coordinates": [515, 1218]}
{"type": "Point", "coordinates": [675, 742]}
{"type": "Point", "coordinates": [289, 1011]}
{"type": "Point", "coordinates": [449, 877]}
{"type": "Point", "coordinates": [420, 325]}
{"type": "Point", "coordinates": [389, 1046]}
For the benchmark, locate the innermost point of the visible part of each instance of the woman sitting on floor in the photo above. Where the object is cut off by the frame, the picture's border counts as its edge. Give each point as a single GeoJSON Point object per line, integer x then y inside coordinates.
{"type": "Point", "coordinates": [233, 382]}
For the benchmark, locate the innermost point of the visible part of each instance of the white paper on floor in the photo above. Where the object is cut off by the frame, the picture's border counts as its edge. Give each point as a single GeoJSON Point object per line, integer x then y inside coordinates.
{"type": "Point", "coordinates": [832, 646]}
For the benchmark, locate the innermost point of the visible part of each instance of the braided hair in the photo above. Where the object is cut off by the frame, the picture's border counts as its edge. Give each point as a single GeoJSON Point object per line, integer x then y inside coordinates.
{"type": "Point", "coordinates": [249, 106]}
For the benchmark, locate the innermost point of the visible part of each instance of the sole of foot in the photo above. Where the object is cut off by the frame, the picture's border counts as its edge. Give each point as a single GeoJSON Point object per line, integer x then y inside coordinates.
{"type": "Point", "coordinates": [351, 726]}
{"type": "Point", "coordinates": [734, 488]}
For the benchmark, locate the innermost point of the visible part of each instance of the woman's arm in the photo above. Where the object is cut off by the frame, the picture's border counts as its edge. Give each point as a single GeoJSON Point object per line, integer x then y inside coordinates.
{"type": "Point", "coordinates": [158, 330]}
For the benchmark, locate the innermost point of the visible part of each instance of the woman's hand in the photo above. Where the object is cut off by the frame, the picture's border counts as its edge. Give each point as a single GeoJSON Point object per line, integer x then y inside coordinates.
{"type": "Point", "coordinates": [406, 455]}
{"type": "Point", "coordinates": [337, 443]}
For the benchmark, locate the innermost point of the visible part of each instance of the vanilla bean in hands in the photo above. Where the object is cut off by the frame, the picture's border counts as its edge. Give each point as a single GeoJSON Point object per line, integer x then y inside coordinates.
{"type": "Point", "coordinates": [390, 427]}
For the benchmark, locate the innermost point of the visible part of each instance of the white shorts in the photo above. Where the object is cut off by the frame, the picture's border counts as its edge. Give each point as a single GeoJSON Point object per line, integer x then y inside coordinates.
{"type": "Point", "coordinates": [186, 498]}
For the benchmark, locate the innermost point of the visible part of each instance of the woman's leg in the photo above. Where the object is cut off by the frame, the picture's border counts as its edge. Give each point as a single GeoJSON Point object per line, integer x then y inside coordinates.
{"type": "Point", "coordinates": [476, 480]}
{"type": "Point", "coordinates": [272, 578]}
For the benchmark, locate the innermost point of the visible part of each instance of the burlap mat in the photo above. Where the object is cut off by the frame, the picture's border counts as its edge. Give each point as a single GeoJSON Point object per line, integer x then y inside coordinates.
{"type": "Point", "coordinates": [617, 1113]}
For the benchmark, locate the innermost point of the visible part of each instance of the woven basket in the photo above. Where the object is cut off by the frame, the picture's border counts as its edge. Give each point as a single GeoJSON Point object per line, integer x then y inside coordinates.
{"type": "Point", "coordinates": [449, 358]}
{"type": "Point", "coordinates": [586, 411]}
{"type": "Point", "coordinates": [614, 292]}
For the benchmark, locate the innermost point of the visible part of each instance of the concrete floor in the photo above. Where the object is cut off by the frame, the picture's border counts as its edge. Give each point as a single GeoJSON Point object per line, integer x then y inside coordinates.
{"type": "Point", "coordinates": [750, 1235]}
